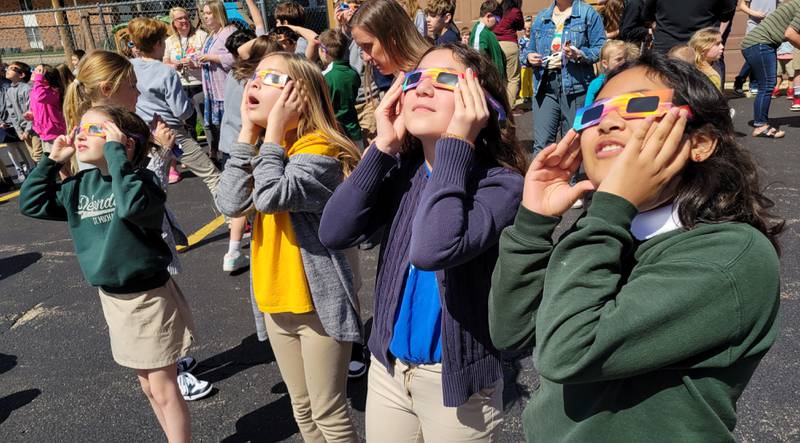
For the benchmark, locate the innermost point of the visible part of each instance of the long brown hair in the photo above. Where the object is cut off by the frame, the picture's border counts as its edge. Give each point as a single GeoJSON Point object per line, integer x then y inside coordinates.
{"type": "Point", "coordinates": [388, 22]}
{"type": "Point", "coordinates": [498, 140]}
{"type": "Point", "coordinates": [612, 14]}
{"type": "Point", "coordinates": [319, 115]}
{"type": "Point", "coordinates": [262, 46]}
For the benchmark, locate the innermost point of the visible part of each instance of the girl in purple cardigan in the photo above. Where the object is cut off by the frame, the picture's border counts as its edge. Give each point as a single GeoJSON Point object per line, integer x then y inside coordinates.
{"type": "Point", "coordinates": [215, 62]}
{"type": "Point", "coordinates": [443, 177]}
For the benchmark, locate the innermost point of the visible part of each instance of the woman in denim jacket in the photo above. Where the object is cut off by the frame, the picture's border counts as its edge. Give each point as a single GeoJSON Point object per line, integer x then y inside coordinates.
{"type": "Point", "coordinates": [565, 42]}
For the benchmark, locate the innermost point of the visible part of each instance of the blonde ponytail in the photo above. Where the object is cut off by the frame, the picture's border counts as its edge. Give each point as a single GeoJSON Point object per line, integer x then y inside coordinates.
{"type": "Point", "coordinates": [98, 69]}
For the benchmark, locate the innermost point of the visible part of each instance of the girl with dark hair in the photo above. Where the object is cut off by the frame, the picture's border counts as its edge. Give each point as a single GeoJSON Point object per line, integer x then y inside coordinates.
{"type": "Point", "coordinates": [443, 177]}
{"type": "Point", "coordinates": [650, 315]}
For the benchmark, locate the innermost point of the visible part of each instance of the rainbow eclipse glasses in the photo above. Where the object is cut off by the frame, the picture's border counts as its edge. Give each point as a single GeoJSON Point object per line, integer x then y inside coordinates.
{"type": "Point", "coordinates": [633, 105]}
{"type": "Point", "coordinates": [271, 78]}
{"type": "Point", "coordinates": [89, 129]}
{"type": "Point", "coordinates": [446, 79]}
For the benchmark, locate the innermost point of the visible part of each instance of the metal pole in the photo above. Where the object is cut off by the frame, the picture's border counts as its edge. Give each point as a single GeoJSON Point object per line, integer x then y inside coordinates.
{"type": "Point", "coordinates": [263, 8]}
{"type": "Point", "coordinates": [103, 24]}
{"type": "Point", "coordinates": [62, 22]}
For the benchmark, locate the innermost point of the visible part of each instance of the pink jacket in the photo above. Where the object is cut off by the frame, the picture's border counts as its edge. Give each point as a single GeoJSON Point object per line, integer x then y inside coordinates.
{"type": "Point", "coordinates": [48, 116]}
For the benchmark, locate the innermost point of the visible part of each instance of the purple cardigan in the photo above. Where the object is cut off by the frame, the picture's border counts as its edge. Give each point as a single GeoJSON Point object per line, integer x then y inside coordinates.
{"type": "Point", "coordinates": [449, 223]}
{"type": "Point", "coordinates": [219, 70]}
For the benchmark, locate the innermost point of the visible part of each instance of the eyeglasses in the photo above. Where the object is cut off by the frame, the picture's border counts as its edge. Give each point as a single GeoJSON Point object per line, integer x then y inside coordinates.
{"type": "Point", "coordinates": [632, 105]}
{"type": "Point", "coordinates": [444, 78]}
{"type": "Point", "coordinates": [271, 78]}
{"type": "Point", "coordinates": [89, 129]}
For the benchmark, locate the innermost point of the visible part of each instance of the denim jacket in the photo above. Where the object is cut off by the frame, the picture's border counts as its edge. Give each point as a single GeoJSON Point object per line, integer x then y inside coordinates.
{"type": "Point", "coordinates": [584, 28]}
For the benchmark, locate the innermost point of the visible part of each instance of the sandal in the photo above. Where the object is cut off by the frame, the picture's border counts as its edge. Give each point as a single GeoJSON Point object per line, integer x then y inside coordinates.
{"type": "Point", "coordinates": [770, 132]}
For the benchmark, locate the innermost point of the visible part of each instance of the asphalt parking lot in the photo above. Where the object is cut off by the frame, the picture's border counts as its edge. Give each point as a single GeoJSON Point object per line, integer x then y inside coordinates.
{"type": "Point", "coordinates": [58, 381]}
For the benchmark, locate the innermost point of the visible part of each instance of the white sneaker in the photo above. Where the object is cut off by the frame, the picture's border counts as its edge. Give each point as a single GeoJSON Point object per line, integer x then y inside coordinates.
{"type": "Point", "coordinates": [192, 388]}
{"type": "Point", "coordinates": [231, 264]}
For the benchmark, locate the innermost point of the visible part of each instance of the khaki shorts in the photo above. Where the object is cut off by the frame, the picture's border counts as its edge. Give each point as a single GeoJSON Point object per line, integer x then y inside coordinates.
{"type": "Point", "coordinates": [148, 330]}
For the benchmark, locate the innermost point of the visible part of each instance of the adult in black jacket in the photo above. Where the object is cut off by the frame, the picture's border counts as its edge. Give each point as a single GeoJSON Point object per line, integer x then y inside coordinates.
{"type": "Point", "coordinates": [677, 20]}
{"type": "Point", "coordinates": [632, 27]}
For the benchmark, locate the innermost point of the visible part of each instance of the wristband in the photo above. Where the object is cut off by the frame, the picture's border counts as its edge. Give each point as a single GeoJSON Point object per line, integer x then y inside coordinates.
{"type": "Point", "coordinates": [458, 137]}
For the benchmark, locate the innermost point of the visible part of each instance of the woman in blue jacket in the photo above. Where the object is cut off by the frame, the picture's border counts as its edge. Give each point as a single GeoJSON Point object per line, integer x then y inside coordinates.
{"type": "Point", "coordinates": [565, 42]}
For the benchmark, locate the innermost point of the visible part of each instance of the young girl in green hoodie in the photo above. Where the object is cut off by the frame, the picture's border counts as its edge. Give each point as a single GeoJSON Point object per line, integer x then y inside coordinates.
{"type": "Point", "coordinates": [114, 212]}
{"type": "Point", "coordinates": [650, 315]}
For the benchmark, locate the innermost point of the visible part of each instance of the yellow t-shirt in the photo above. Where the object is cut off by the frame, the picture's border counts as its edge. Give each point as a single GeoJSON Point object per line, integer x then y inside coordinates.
{"type": "Point", "coordinates": [279, 279]}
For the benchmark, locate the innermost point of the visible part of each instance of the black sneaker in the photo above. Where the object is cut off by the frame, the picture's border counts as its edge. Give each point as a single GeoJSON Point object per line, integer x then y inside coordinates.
{"type": "Point", "coordinates": [358, 362]}
{"type": "Point", "coordinates": [186, 364]}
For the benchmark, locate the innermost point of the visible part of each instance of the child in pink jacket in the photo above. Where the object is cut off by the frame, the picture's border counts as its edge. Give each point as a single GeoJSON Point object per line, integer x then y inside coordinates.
{"type": "Point", "coordinates": [47, 97]}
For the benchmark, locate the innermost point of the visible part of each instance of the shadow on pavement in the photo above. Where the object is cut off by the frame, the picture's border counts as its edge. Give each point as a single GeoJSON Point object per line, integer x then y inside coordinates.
{"type": "Point", "coordinates": [16, 263]}
{"type": "Point", "coordinates": [513, 391]}
{"type": "Point", "coordinates": [250, 352]}
{"type": "Point", "coordinates": [15, 401]}
{"type": "Point", "coordinates": [206, 241]}
{"type": "Point", "coordinates": [272, 422]}
{"type": "Point", "coordinates": [7, 362]}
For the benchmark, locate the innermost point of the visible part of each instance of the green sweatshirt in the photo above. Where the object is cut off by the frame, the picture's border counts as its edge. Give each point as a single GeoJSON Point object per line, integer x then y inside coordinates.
{"type": "Point", "coordinates": [115, 221]}
{"type": "Point", "coordinates": [651, 341]}
{"type": "Point", "coordinates": [343, 83]}
{"type": "Point", "coordinates": [483, 40]}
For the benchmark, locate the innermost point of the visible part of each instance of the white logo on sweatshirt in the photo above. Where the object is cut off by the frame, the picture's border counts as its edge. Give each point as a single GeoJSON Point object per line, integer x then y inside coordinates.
{"type": "Point", "coordinates": [101, 210]}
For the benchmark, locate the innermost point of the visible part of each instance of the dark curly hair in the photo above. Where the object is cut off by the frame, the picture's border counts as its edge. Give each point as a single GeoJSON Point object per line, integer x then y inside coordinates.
{"type": "Point", "coordinates": [498, 140]}
{"type": "Point", "coordinates": [725, 187]}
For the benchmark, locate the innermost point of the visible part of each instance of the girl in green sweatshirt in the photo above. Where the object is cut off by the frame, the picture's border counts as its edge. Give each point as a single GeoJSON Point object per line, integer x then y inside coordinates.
{"type": "Point", "coordinates": [114, 212]}
{"type": "Point", "coordinates": [650, 315]}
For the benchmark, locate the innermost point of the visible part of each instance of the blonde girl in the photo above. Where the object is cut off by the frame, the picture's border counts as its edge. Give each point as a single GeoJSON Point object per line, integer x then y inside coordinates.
{"type": "Point", "coordinates": [107, 78]}
{"type": "Point", "coordinates": [708, 47]}
{"type": "Point", "coordinates": [304, 288]}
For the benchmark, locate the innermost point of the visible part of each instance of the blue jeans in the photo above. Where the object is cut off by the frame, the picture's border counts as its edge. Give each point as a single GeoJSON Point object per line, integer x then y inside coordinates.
{"type": "Point", "coordinates": [763, 61]}
{"type": "Point", "coordinates": [553, 111]}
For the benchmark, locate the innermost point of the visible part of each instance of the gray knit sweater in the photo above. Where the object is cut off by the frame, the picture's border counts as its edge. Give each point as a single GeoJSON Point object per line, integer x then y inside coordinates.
{"type": "Point", "coordinates": [301, 185]}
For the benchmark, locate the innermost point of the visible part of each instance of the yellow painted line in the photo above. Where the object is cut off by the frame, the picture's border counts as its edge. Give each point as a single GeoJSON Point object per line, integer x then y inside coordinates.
{"type": "Point", "coordinates": [203, 232]}
{"type": "Point", "coordinates": [9, 196]}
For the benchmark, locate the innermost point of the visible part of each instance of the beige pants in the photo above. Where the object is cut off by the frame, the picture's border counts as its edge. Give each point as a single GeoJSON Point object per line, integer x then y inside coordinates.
{"type": "Point", "coordinates": [409, 408]}
{"type": "Point", "coordinates": [195, 159]}
{"type": "Point", "coordinates": [511, 51]}
{"type": "Point", "coordinates": [34, 145]}
{"type": "Point", "coordinates": [366, 119]}
{"type": "Point", "coordinates": [314, 367]}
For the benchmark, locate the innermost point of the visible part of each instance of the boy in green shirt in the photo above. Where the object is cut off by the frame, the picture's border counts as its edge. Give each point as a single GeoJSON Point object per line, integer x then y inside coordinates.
{"type": "Point", "coordinates": [343, 82]}
{"type": "Point", "coordinates": [483, 40]}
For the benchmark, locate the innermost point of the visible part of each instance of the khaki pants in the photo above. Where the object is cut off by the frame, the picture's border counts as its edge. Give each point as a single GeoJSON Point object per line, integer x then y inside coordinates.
{"type": "Point", "coordinates": [366, 119]}
{"type": "Point", "coordinates": [409, 408]}
{"type": "Point", "coordinates": [314, 367]}
{"type": "Point", "coordinates": [34, 145]}
{"type": "Point", "coordinates": [195, 159]}
{"type": "Point", "coordinates": [511, 51]}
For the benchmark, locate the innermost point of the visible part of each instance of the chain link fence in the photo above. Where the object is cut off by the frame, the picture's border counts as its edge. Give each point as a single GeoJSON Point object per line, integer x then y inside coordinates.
{"type": "Point", "coordinates": [42, 35]}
